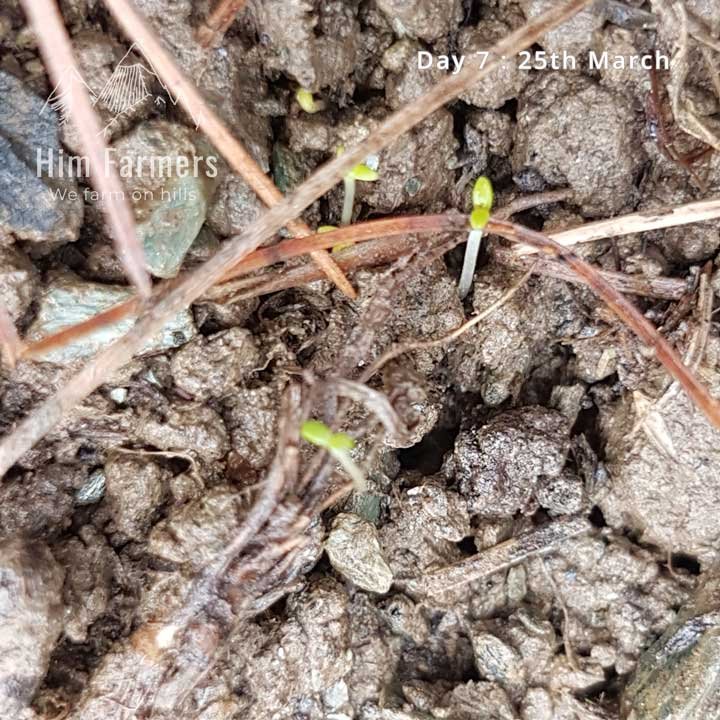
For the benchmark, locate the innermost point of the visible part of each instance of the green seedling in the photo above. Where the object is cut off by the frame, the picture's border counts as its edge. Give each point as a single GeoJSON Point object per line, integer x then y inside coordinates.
{"type": "Point", "coordinates": [362, 173]}
{"type": "Point", "coordinates": [482, 198]}
{"type": "Point", "coordinates": [483, 194]}
{"type": "Point", "coordinates": [338, 445]}
{"type": "Point", "coordinates": [306, 101]}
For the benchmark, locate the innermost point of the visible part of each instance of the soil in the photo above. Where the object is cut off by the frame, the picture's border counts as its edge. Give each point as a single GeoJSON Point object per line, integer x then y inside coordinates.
{"type": "Point", "coordinates": [547, 411]}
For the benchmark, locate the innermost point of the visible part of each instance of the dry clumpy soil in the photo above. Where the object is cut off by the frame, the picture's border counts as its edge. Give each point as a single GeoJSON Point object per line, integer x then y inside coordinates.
{"type": "Point", "coordinates": [545, 412]}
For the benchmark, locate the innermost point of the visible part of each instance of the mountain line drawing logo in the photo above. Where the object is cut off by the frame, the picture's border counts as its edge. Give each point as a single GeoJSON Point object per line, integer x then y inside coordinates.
{"type": "Point", "coordinates": [131, 83]}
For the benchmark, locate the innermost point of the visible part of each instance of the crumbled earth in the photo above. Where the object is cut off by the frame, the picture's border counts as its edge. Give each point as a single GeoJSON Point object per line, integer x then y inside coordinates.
{"type": "Point", "coordinates": [499, 466]}
{"type": "Point", "coordinates": [600, 162]}
{"type": "Point", "coordinates": [118, 597]}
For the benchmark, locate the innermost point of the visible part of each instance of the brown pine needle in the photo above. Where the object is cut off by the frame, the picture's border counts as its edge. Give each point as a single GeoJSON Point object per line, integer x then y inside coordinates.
{"type": "Point", "coordinates": [218, 22]}
{"type": "Point", "coordinates": [10, 342]}
{"type": "Point", "coordinates": [136, 27]}
{"type": "Point", "coordinates": [350, 234]}
{"type": "Point", "coordinates": [285, 250]}
{"type": "Point", "coordinates": [54, 42]}
{"type": "Point", "coordinates": [78, 387]}
{"type": "Point", "coordinates": [379, 253]}
{"type": "Point", "coordinates": [69, 334]}
{"type": "Point", "coordinates": [622, 307]}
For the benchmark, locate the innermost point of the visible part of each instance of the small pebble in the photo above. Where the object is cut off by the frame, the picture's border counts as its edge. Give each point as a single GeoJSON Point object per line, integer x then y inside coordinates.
{"type": "Point", "coordinates": [354, 551]}
{"type": "Point", "coordinates": [119, 395]}
{"type": "Point", "coordinates": [93, 490]}
{"type": "Point", "coordinates": [68, 300]}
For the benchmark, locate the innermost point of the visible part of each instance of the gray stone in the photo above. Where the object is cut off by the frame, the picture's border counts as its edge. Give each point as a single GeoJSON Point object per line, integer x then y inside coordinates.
{"type": "Point", "coordinates": [93, 490]}
{"type": "Point", "coordinates": [187, 428]}
{"type": "Point", "coordinates": [69, 300]}
{"type": "Point", "coordinates": [234, 206]}
{"type": "Point", "coordinates": [663, 456]}
{"type": "Point", "coordinates": [576, 35]}
{"type": "Point", "coordinates": [169, 202]}
{"type": "Point", "coordinates": [426, 19]}
{"type": "Point", "coordinates": [598, 158]}
{"type": "Point", "coordinates": [502, 84]}
{"type": "Point", "coordinates": [252, 421]}
{"type": "Point", "coordinates": [195, 533]}
{"type": "Point", "coordinates": [33, 205]}
{"type": "Point", "coordinates": [497, 661]}
{"type": "Point", "coordinates": [354, 551]}
{"type": "Point", "coordinates": [317, 44]}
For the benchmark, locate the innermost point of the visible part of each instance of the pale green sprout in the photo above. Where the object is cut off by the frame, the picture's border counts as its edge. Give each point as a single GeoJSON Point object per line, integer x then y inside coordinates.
{"type": "Point", "coordinates": [338, 445]}
{"type": "Point", "coordinates": [482, 198]}
{"type": "Point", "coordinates": [363, 173]}
{"type": "Point", "coordinates": [306, 101]}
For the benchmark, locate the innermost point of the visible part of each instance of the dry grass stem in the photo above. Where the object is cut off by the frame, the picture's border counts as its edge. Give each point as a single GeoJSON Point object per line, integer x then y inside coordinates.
{"type": "Point", "coordinates": [136, 27]}
{"type": "Point", "coordinates": [635, 223]}
{"type": "Point", "coordinates": [662, 288]}
{"type": "Point", "coordinates": [497, 558]}
{"type": "Point", "coordinates": [50, 412]}
{"type": "Point", "coordinates": [56, 49]}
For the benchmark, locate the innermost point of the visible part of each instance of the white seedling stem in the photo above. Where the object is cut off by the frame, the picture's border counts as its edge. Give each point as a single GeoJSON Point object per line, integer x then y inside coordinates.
{"type": "Point", "coordinates": [349, 466]}
{"type": "Point", "coordinates": [472, 249]}
{"type": "Point", "coordinates": [349, 201]}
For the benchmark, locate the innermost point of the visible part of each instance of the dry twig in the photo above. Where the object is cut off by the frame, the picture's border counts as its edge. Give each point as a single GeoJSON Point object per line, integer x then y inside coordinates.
{"type": "Point", "coordinates": [138, 30]}
{"type": "Point", "coordinates": [497, 558]}
{"type": "Point", "coordinates": [54, 42]}
{"type": "Point", "coordinates": [32, 428]}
